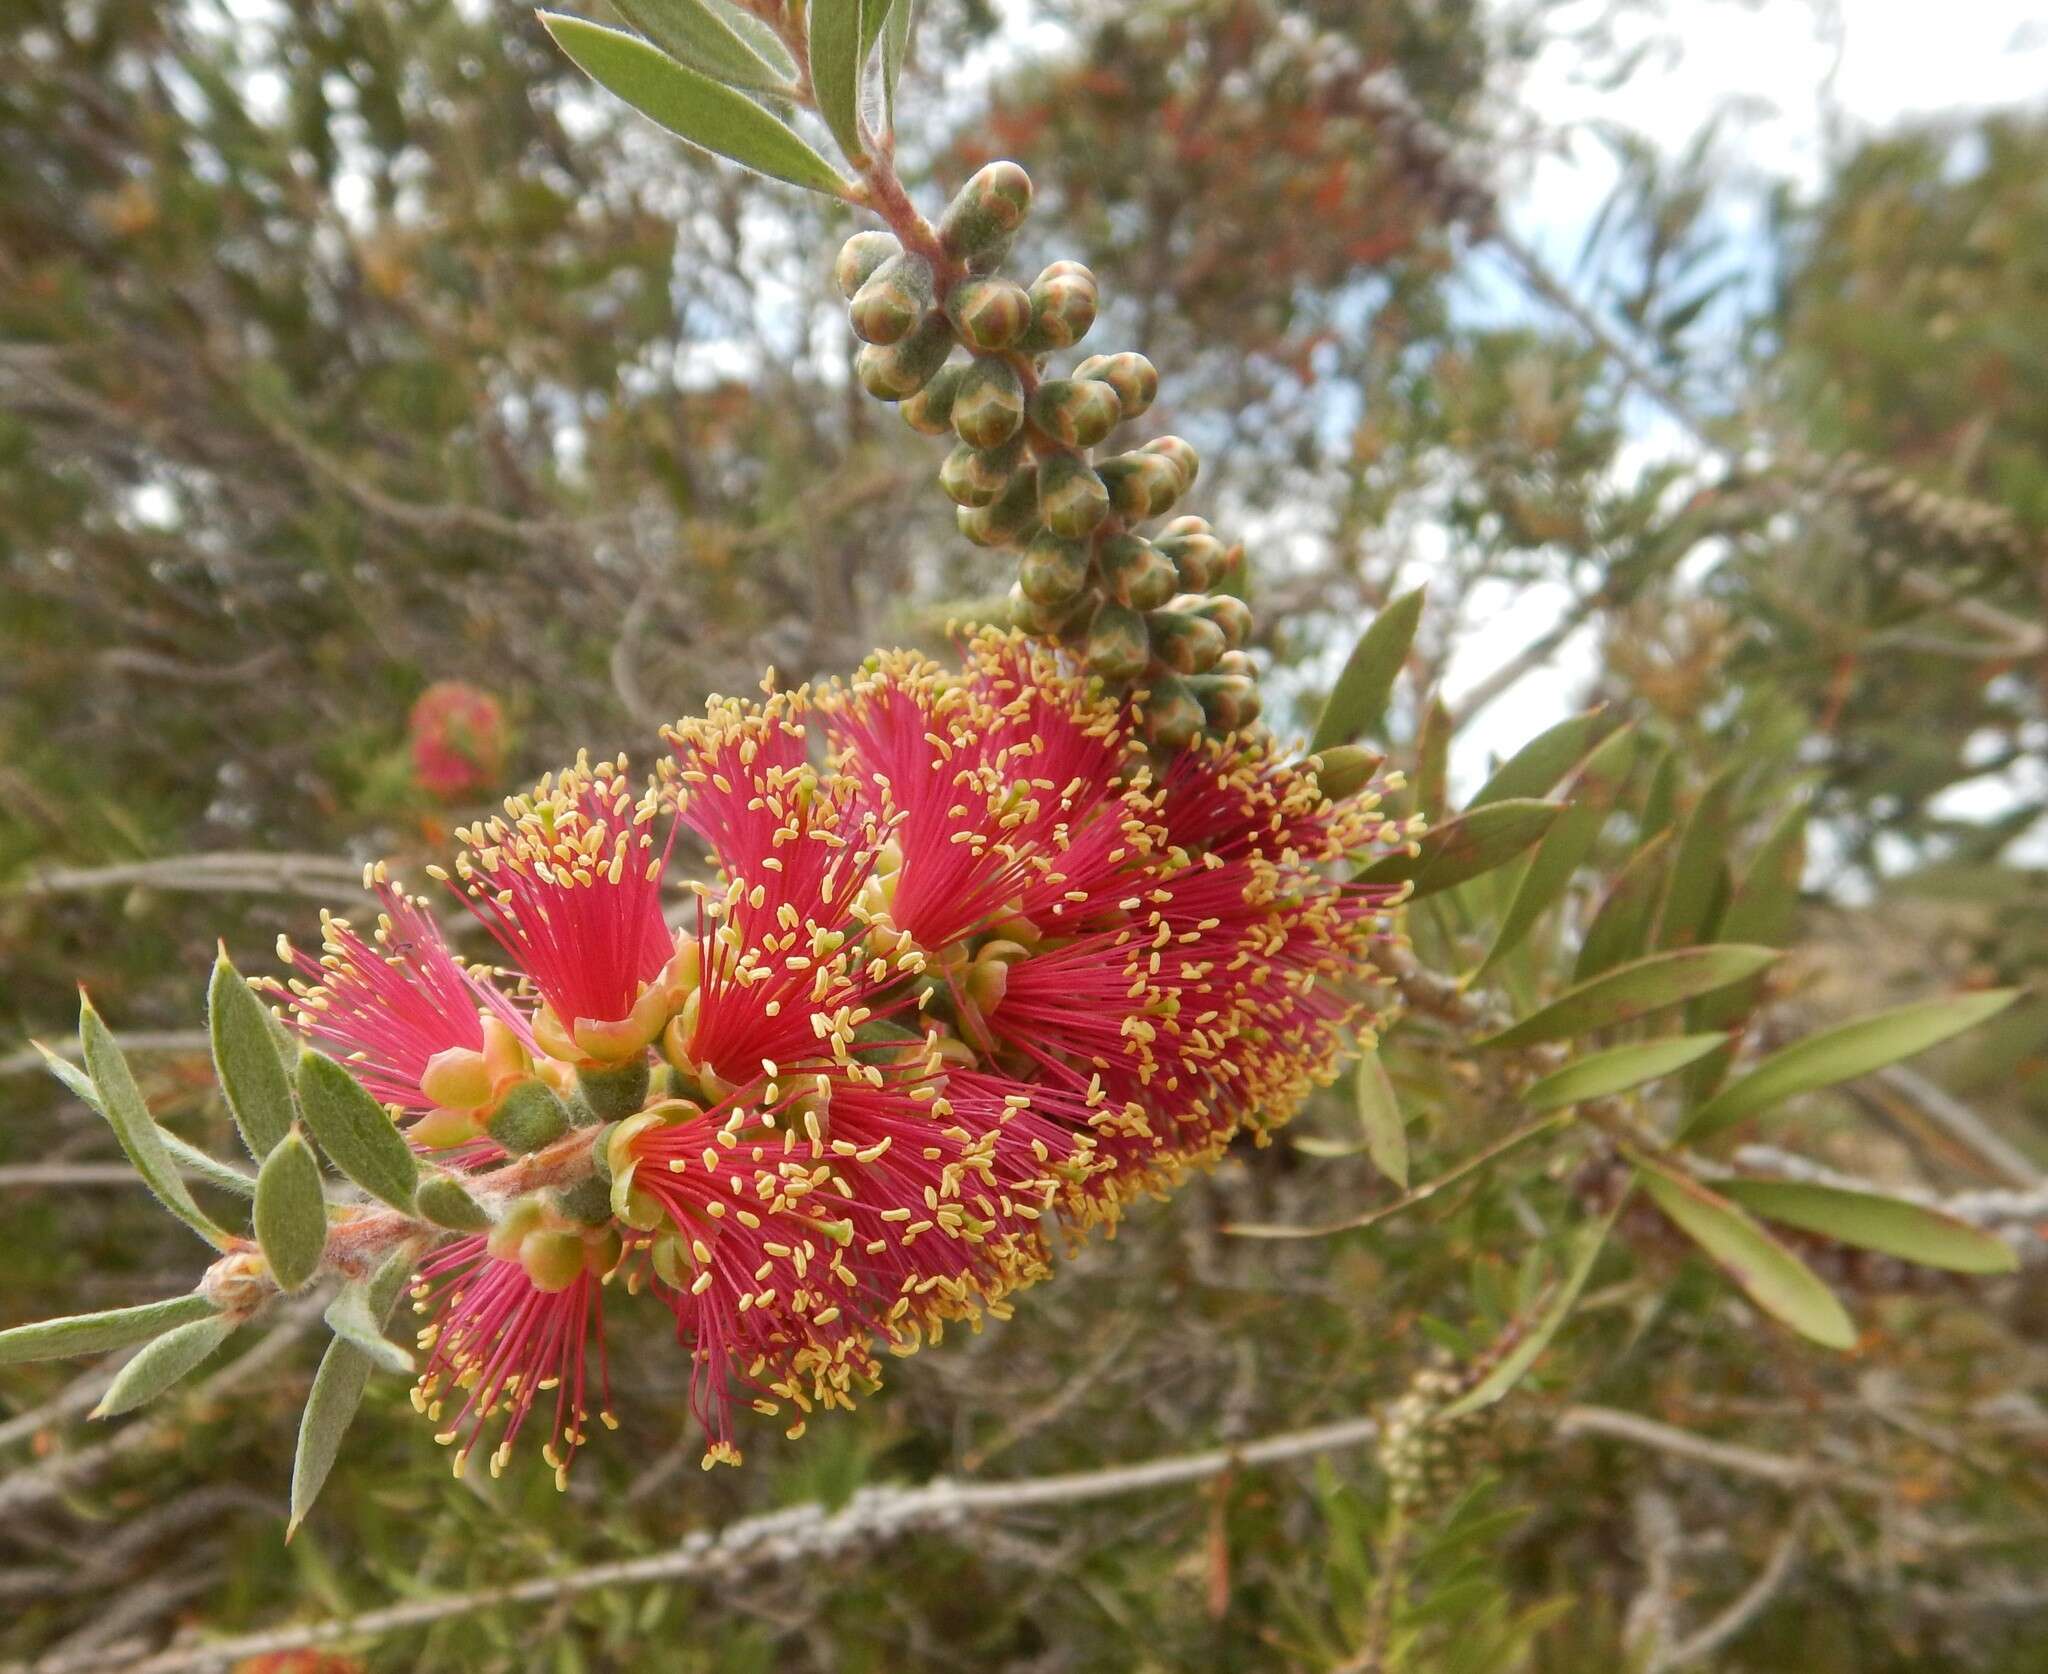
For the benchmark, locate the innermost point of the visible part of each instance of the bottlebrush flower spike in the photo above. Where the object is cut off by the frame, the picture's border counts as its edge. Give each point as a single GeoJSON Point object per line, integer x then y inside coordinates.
{"type": "Point", "coordinates": [458, 740]}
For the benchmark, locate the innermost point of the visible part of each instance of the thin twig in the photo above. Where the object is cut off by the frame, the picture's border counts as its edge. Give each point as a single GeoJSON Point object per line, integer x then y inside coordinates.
{"type": "Point", "coordinates": [1753, 1601]}
{"type": "Point", "coordinates": [1726, 1456]}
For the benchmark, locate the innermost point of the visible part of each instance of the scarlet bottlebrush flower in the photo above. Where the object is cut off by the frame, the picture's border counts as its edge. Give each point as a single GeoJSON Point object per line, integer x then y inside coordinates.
{"type": "Point", "coordinates": [458, 740]}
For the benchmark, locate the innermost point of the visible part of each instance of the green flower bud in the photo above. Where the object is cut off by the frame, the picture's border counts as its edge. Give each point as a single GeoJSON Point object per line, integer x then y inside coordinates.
{"type": "Point", "coordinates": [613, 1093]}
{"type": "Point", "coordinates": [1053, 571]}
{"type": "Point", "coordinates": [1230, 613]}
{"type": "Point", "coordinates": [1345, 770]}
{"type": "Point", "coordinates": [553, 1260]}
{"type": "Point", "coordinates": [1187, 526]}
{"type": "Point", "coordinates": [1197, 557]}
{"type": "Point", "coordinates": [588, 1201]}
{"type": "Point", "coordinates": [1054, 621]}
{"type": "Point", "coordinates": [1230, 701]}
{"type": "Point", "coordinates": [529, 1118]}
{"type": "Point", "coordinates": [989, 314]}
{"type": "Point", "coordinates": [989, 207]}
{"type": "Point", "coordinates": [897, 371]}
{"type": "Point", "coordinates": [1132, 376]}
{"type": "Point", "coordinates": [1009, 520]}
{"type": "Point", "coordinates": [1186, 644]}
{"type": "Point", "coordinates": [1071, 497]}
{"type": "Point", "coordinates": [1236, 662]}
{"type": "Point", "coordinates": [1136, 572]}
{"type": "Point", "coordinates": [1140, 485]}
{"type": "Point", "coordinates": [1117, 648]}
{"type": "Point", "coordinates": [1171, 714]}
{"type": "Point", "coordinates": [976, 476]}
{"type": "Point", "coordinates": [1077, 413]}
{"type": "Point", "coordinates": [989, 406]}
{"type": "Point", "coordinates": [1063, 300]}
{"type": "Point", "coordinates": [1181, 454]}
{"type": "Point", "coordinates": [887, 308]}
{"type": "Point", "coordinates": [930, 410]}
{"type": "Point", "coordinates": [858, 258]}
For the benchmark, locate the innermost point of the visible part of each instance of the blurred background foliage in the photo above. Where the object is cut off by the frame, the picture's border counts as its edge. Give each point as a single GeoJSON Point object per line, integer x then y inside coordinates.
{"type": "Point", "coordinates": [353, 350]}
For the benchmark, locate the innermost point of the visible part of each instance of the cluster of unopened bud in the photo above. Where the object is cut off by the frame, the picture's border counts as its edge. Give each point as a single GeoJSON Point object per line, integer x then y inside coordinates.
{"type": "Point", "coordinates": [1140, 611]}
{"type": "Point", "coordinates": [1427, 1458]}
{"type": "Point", "coordinates": [555, 1238]}
{"type": "Point", "coordinates": [1896, 509]}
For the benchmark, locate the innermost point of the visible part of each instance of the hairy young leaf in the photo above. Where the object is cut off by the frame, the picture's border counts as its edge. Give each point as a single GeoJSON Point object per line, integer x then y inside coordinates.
{"type": "Point", "coordinates": [56, 1339]}
{"type": "Point", "coordinates": [1843, 1053]}
{"type": "Point", "coordinates": [1771, 1276]}
{"type": "Point", "coordinates": [344, 1373]}
{"type": "Point", "coordinates": [252, 1076]}
{"type": "Point", "coordinates": [356, 1132]}
{"type": "Point", "coordinates": [444, 1200]}
{"type": "Point", "coordinates": [839, 43]}
{"type": "Point", "coordinates": [1379, 1114]}
{"type": "Point", "coordinates": [692, 105]}
{"type": "Point", "coordinates": [895, 47]}
{"type": "Point", "coordinates": [1871, 1221]}
{"type": "Point", "coordinates": [120, 1102]}
{"type": "Point", "coordinates": [163, 1363]}
{"type": "Point", "coordinates": [1602, 1074]}
{"type": "Point", "coordinates": [1358, 701]}
{"type": "Point", "coordinates": [694, 34]}
{"type": "Point", "coordinates": [1634, 991]}
{"type": "Point", "coordinates": [188, 1157]}
{"type": "Point", "coordinates": [291, 1212]}
{"type": "Point", "coordinates": [1465, 847]}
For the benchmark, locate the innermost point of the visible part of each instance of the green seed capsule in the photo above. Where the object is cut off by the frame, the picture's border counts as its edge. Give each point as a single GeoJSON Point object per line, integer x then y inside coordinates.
{"type": "Point", "coordinates": [1117, 648]}
{"type": "Point", "coordinates": [1230, 701]}
{"type": "Point", "coordinates": [1071, 497]}
{"type": "Point", "coordinates": [1063, 302]}
{"type": "Point", "coordinates": [989, 408]}
{"type": "Point", "coordinates": [887, 308]}
{"type": "Point", "coordinates": [989, 207]}
{"type": "Point", "coordinates": [1181, 454]}
{"type": "Point", "coordinates": [989, 314]}
{"type": "Point", "coordinates": [1172, 714]}
{"type": "Point", "coordinates": [930, 410]}
{"type": "Point", "coordinates": [1075, 412]}
{"type": "Point", "coordinates": [1230, 614]}
{"type": "Point", "coordinates": [897, 371]}
{"type": "Point", "coordinates": [1132, 376]}
{"type": "Point", "coordinates": [974, 476]}
{"type": "Point", "coordinates": [1186, 644]}
{"type": "Point", "coordinates": [858, 259]}
{"type": "Point", "coordinates": [1053, 571]}
{"type": "Point", "coordinates": [1136, 572]}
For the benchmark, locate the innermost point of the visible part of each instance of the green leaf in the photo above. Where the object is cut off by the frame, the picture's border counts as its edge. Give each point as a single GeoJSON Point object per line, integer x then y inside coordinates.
{"type": "Point", "coordinates": [338, 1385]}
{"type": "Point", "coordinates": [1771, 1276]}
{"type": "Point", "coordinates": [361, 1311]}
{"type": "Point", "coordinates": [356, 1132]}
{"type": "Point", "coordinates": [1433, 760]}
{"type": "Point", "coordinates": [692, 105]}
{"type": "Point", "coordinates": [1660, 802]}
{"type": "Point", "coordinates": [187, 1157]}
{"type": "Point", "coordinates": [1566, 844]}
{"type": "Point", "coordinates": [1871, 1221]}
{"type": "Point", "coordinates": [895, 47]}
{"type": "Point", "coordinates": [1602, 1074]}
{"type": "Point", "coordinates": [120, 1101]}
{"type": "Point", "coordinates": [1699, 865]}
{"type": "Point", "coordinates": [1620, 929]}
{"type": "Point", "coordinates": [692, 33]}
{"type": "Point", "coordinates": [252, 1076]}
{"type": "Point", "coordinates": [838, 56]}
{"type": "Point", "coordinates": [1843, 1053]}
{"type": "Point", "coordinates": [1465, 847]}
{"type": "Point", "coordinates": [1538, 765]}
{"type": "Point", "coordinates": [446, 1202]}
{"type": "Point", "coordinates": [291, 1212]}
{"type": "Point", "coordinates": [1358, 702]}
{"type": "Point", "coordinates": [1635, 990]}
{"type": "Point", "coordinates": [165, 1361]}
{"type": "Point", "coordinates": [54, 1339]}
{"type": "Point", "coordinates": [1517, 1361]}
{"type": "Point", "coordinates": [1379, 1114]}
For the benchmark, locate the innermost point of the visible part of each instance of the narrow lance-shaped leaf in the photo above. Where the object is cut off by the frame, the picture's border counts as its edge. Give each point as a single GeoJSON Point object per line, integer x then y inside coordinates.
{"type": "Point", "coordinates": [1379, 1114]}
{"type": "Point", "coordinates": [189, 1158]}
{"type": "Point", "coordinates": [692, 105]}
{"type": "Point", "coordinates": [1871, 1221]}
{"type": "Point", "coordinates": [1602, 1074]}
{"type": "Point", "coordinates": [1463, 848]}
{"type": "Point", "coordinates": [1699, 866]}
{"type": "Point", "coordinates": [120, 1101]}
{"type": "Point", "coordinates": [1634, 991]}
{"type": "Point", "coordinates": [338, 1391]}
{"type": "Point", "coordinates": [1620, 930]}
{"type": "Point", "coordinates": [1538, 765]}
{"type": "Point", "coordinates": [1770, 1275]}
{"type": "Point", "coordinates": [252, 1076]}
{"type": "Point", "coordinates": [895, 48]}
{"type": "Point", "coordinates": [1845, 1052]}
{"type": "Point", "coordinates": [163, 1363]}
{"type": "Point", "coordinates": [1660, 801]}
{"type": "Point", "coordinates": [291, 1212]}
{"type": "Point", "coordinates": [839, 40]}
{"type": "Point", "coordinates": [694, 34]}
{"type": "Point", "coordinates": [1517, 1361]}
{"type": "Point", "coordinates": [1433, 761]}
{"type": "Point", "coordinates": [356, 1132]}
{"type": "Point", "coordinates": [362, 1309]}
{"type": "Point", "coordinates": [1359, 699]}
{"type": "Point", "coordinates": [55, 1339]}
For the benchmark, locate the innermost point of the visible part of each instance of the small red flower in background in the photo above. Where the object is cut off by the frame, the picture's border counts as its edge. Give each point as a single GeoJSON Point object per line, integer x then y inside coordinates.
{"type": "Point", "coordinates": [299, 1662]}
{"type": "Point", "coordinates": [458, 740]}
